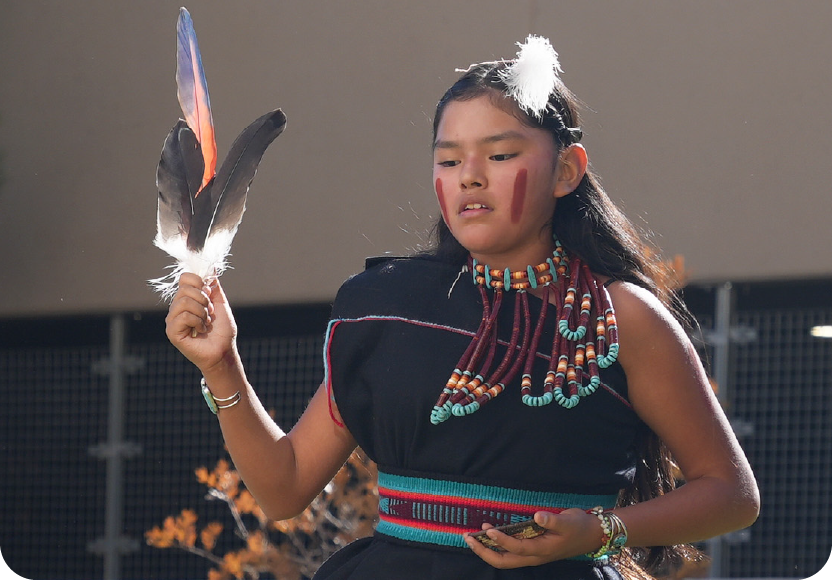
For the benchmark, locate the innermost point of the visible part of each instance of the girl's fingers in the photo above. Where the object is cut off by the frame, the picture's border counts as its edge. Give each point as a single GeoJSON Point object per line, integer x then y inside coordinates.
{"type": "Point", "coordinates": [180, 324]}
{"type": "Point", "coordinates": [199, 321]}
{"type": "Point", "coordinates": [188, 279]}
{"type": "Point", "coordinates": [199, 294]}
{"type": "Point", "coordinates": [190, 311]}
{"type": "Point", "coordinates": [194, 324]}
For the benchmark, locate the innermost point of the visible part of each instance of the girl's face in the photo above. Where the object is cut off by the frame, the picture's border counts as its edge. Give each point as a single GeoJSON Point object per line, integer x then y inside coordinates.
{"type": "Point", "coordinates": [496, 183]}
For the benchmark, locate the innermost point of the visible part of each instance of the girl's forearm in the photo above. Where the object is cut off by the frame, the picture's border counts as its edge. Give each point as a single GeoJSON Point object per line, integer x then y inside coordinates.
{"type": "Point", "coordinates": [260, 450]}
{"type": "Point", "coordinates": [284, 471]}
{"type": "Point", "coordinates": [698, 510]}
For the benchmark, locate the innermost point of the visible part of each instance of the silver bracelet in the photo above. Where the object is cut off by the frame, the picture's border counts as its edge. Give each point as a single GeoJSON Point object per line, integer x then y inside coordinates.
{"type": "Point", "coordinates": [216, 404]}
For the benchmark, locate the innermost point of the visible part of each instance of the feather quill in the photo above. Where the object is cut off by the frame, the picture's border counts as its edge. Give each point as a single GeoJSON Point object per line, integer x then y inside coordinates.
{"type": "Point", "coordinates": [531, 78]}
{"type": "Point", "coordinates": [198, 211]}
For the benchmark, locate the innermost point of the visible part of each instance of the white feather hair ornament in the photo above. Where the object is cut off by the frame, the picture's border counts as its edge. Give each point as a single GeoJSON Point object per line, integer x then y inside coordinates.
{"type": "Point", "coordinates": [199, 207]}
{"type": "Point", "coordinates": [532, 77]}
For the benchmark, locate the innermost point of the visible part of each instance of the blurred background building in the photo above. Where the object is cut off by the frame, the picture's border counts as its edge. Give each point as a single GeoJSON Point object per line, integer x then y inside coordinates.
{"type": "Point", "coordinates": [709, 123]}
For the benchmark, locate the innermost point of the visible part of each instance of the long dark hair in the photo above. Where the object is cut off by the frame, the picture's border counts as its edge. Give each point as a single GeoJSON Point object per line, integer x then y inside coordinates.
{"type": "Point", "coordinates": [591, 226]}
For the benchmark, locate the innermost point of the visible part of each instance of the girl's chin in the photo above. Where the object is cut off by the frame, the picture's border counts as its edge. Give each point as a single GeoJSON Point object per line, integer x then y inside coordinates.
{"type": "Point", "coordinates": [478, 241]}
{"type": "Point", "coordinates": [479, 249]}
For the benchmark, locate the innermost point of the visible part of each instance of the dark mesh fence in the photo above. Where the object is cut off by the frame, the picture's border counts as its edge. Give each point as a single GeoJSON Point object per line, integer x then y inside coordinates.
{"type": "Point", "coordinates": [783, 390]}
{"type": "Point", "coordinates": [55, 385]}
{"type": "Point", "coordinates": [54, 410]}
{"type": "Point", "coordinates": [779, 400]}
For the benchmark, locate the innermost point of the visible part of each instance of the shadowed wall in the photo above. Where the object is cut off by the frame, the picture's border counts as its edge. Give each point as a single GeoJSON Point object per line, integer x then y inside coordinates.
{"type": "Point", "coordinates": [708, 121]}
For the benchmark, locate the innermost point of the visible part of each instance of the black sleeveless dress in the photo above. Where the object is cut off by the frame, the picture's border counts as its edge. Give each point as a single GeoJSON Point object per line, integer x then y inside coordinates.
{"type": "Point", "coordinates": [397, 331]}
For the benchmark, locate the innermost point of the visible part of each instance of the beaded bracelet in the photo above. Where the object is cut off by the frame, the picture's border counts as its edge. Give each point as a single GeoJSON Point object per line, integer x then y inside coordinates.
{"type": "Point", "coordinates": [212, 401]}
{"type": "Point", "coordinates": [615, 533]}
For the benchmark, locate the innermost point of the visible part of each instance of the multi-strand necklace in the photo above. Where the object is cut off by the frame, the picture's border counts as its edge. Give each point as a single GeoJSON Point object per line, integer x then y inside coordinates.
{"type": "Point", "coordinates": [578, 350]}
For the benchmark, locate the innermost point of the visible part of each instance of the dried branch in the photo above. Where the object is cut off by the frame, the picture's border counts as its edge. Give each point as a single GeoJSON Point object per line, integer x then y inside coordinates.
{"type": "Point", "coordinates": [292, 549]}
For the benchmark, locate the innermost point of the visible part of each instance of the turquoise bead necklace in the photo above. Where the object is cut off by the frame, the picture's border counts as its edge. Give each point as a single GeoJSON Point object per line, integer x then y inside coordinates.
{"type": "Point", "coordinates": [578, 351]}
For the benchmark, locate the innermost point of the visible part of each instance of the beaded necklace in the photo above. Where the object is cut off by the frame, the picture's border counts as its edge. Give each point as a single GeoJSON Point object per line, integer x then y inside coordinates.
{"type": "Point", "coordinates": [578, 349]}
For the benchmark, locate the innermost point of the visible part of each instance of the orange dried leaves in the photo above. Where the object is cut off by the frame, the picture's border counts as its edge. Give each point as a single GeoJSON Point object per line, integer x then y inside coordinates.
{"type": "Point", "coordinates": [175, 531]}
{"type": "Point", "coordinates": [222, 478]}
{"type": "Point", "coordinates": [345, 510]}
{"type": "Point", "coordinates": [208, 535]}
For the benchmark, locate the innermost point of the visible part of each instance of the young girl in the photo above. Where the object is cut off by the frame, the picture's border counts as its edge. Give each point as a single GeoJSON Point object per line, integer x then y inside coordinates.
{"type": "Point", "coordinates": [527, 367]}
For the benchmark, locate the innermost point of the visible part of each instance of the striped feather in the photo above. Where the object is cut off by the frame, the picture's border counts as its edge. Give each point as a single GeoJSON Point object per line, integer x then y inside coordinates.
{"type": "Point", "coordinates": [198, 212]}
{"type": "Point", "coordinates": [192, 90]}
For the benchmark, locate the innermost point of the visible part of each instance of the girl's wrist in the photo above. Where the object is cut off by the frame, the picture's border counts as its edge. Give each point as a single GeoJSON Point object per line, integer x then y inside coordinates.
{"type": "Point", "coordinates": [228, 370]}
{"type": "Point", "coordinates": [613, 533]}
{"type": "Point", "coordinates": [593, 534]}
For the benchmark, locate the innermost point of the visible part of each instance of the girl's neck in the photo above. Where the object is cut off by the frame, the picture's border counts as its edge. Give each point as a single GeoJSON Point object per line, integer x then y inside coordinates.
{"type": "Point", "coordinates": [516, 261]}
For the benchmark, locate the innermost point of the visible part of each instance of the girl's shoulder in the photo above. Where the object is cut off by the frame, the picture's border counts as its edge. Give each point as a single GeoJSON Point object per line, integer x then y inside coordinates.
{"type": "Point", "coordinates": [634, 303]}
{"type": "Point", "coordinates": [635, 306]}
{"type": "Point", "coordinates": [645, 325]}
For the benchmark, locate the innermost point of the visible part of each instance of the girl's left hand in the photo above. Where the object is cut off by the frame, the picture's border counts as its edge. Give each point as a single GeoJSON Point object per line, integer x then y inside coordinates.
{"type": "Point", "coordinates": [570, 533]}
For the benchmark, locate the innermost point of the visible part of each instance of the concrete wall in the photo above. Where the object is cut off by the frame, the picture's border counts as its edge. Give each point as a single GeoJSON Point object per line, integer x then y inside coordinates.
{"type": "Point", "coordinates": [709, 121]}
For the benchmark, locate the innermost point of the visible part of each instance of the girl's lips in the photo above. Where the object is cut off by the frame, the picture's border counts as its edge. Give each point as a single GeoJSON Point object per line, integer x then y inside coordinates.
{"type": "Point", "coordinates": [474, 209]}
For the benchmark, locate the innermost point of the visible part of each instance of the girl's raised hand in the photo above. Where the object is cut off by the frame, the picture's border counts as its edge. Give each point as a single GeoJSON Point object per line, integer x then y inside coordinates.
{"type": "Point", "coordinates": [570, 533]}
{"type": "Point", "coordinates": [200, 323]}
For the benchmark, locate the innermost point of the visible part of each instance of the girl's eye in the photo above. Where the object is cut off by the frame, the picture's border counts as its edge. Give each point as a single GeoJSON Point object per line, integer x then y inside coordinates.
{"type": "Point", "coordinates": [447, 163]}
{"type": "Point", "coordinates": [503, 156]}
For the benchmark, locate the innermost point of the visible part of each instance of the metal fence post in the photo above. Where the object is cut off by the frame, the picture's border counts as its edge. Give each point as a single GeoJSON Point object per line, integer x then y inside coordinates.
{"type": "Point", "coordinates": [720, 339]}
{"type": "Point", "coordinates": [114, 451]}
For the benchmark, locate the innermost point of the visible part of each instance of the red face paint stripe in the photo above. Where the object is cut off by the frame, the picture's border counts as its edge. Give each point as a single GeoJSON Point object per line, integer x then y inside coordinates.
{"type": "Point", "coordinates": [518, 200]}
{"type": "Point", "coordinates": [440, 195]}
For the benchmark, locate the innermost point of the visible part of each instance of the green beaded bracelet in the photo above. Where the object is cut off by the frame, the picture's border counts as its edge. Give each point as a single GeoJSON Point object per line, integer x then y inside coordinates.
{"type": "Point", "coordinates": [615, 534]}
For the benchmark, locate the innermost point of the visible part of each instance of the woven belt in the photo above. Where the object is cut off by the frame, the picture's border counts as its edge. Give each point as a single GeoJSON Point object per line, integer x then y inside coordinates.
{"type": "Point", "coordinates": [435, 511]}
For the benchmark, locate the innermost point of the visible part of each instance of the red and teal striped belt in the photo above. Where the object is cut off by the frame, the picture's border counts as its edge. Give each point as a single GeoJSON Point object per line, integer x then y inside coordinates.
{"type": "Point", "coordinates": [436, 511]}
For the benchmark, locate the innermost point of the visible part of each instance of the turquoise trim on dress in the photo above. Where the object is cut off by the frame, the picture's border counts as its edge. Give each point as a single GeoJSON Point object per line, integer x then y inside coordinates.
{"type": "Point", "coordinates": [441, 487]}
{"type": "Point", "coordinates": [454, 540]}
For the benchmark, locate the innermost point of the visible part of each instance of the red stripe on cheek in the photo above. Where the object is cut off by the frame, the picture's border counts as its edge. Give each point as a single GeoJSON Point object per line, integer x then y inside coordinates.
{"type": "Point", "coordinates": [518, 200]}
{"type": "Point", "coordinates": [440, 195]}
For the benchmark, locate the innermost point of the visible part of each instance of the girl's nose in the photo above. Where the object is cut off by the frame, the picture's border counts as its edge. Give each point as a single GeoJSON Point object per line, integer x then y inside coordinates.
{"type": "Point", "coordinates": [472, 175]}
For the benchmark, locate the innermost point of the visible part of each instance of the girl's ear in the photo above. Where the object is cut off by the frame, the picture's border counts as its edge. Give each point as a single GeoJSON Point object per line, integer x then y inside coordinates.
{"type": "Point", "coordinates": [570, 169]}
